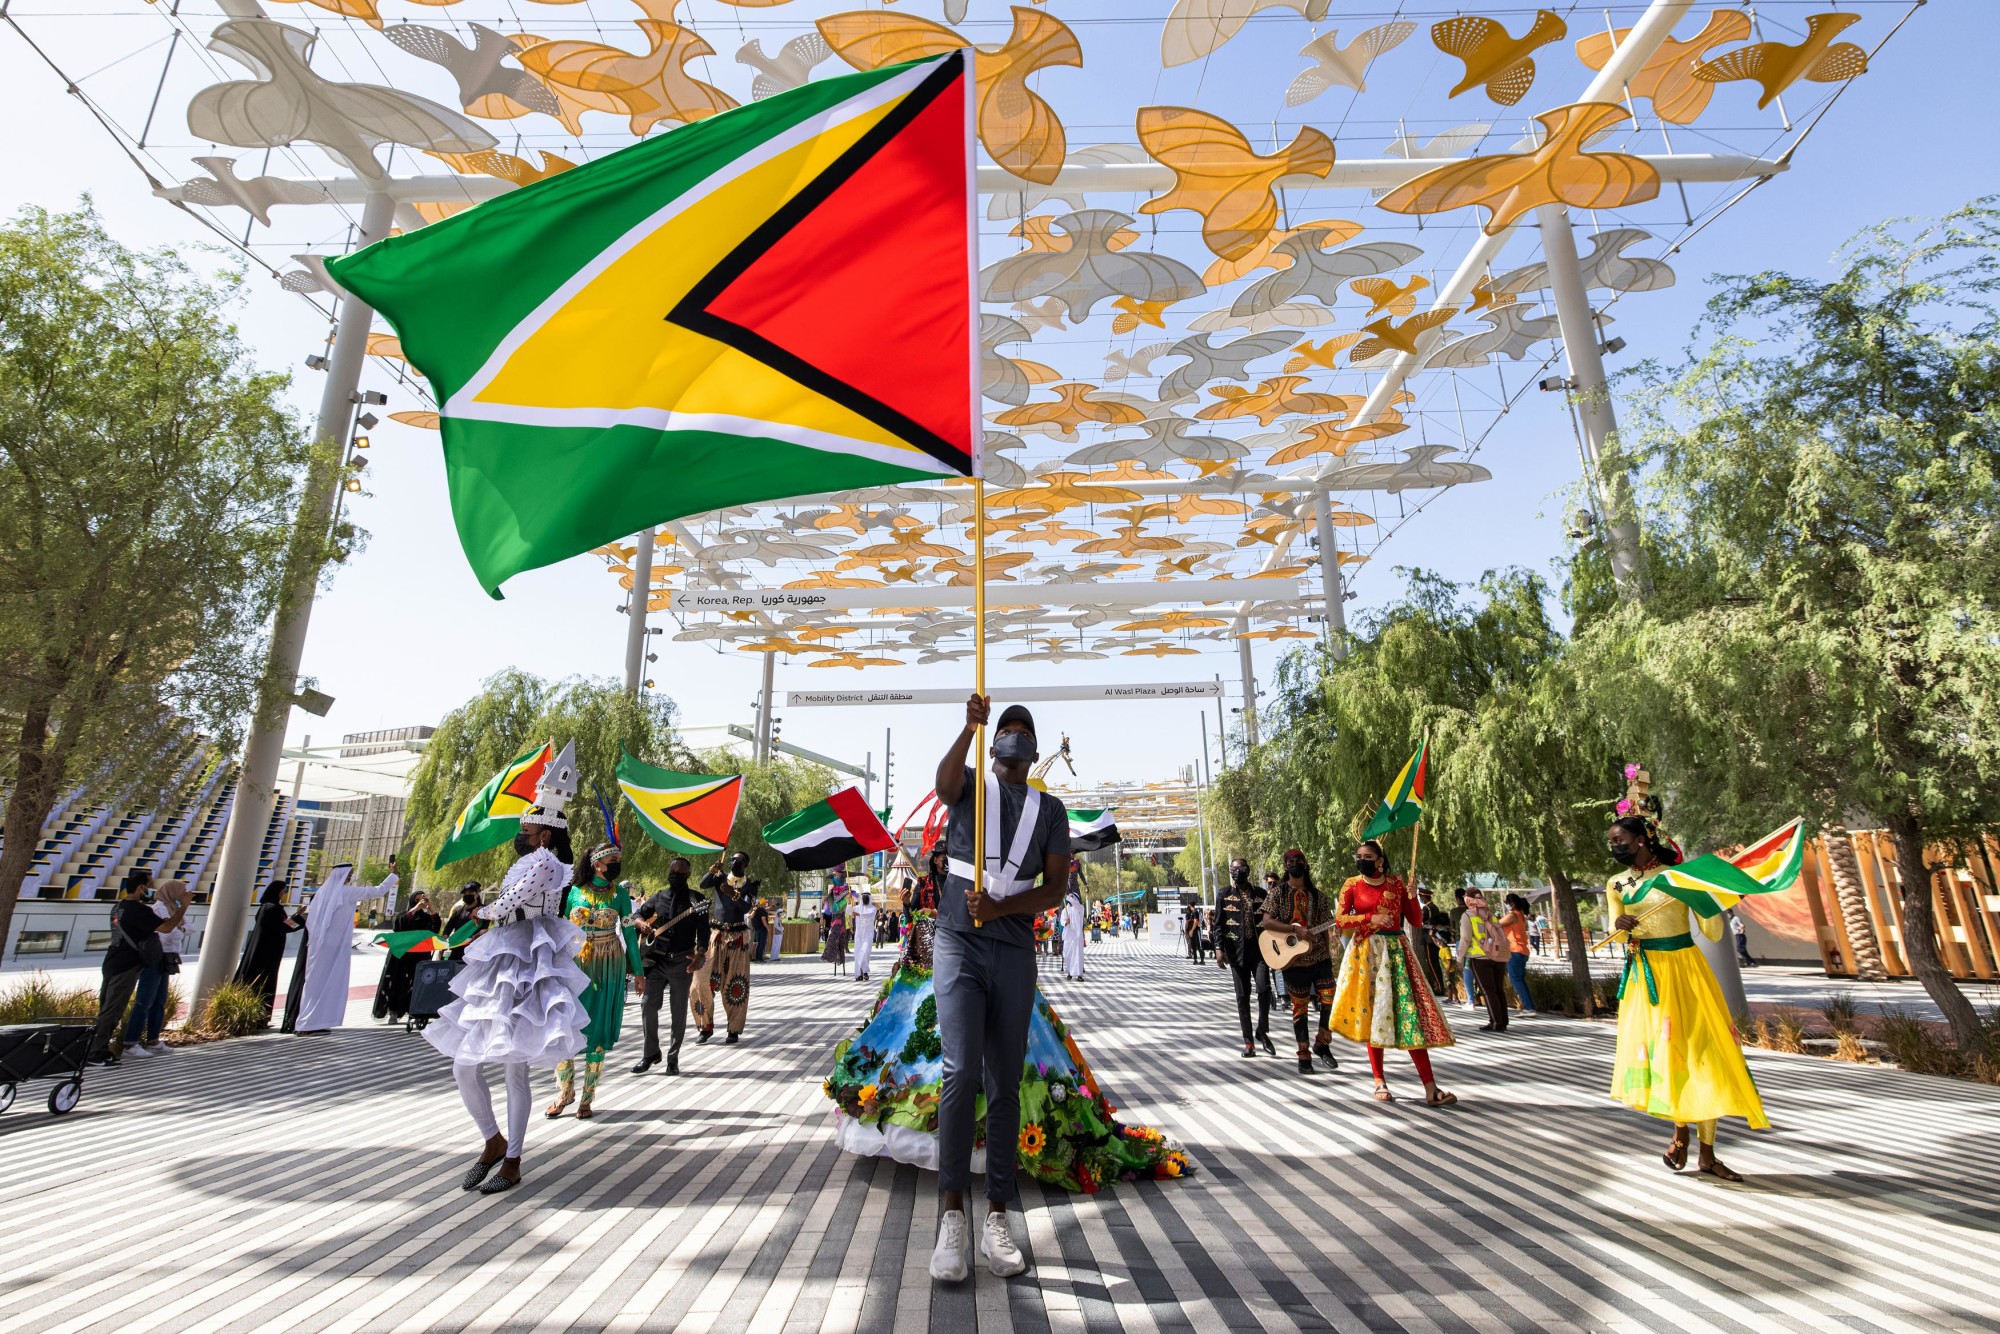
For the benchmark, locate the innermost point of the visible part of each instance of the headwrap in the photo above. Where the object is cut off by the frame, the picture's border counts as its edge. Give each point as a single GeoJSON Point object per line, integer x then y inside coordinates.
{"type": "Point", "coordinates": [601, 851]}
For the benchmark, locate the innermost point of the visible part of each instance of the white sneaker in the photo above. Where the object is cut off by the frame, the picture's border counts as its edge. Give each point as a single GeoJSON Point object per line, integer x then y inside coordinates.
{"type": "Point", "coordinates": [996, 1243]}
{"type": "Point", "coordinates": [134, 1049]}
{"type": "Point", "coordinates": [952, 1260]}
{"type": "Point", "coordinates": [158, 1049]}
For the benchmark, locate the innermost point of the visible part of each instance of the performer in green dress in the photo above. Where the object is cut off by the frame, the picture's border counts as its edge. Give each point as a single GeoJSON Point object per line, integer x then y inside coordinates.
{"type": "Point", "coordinates": [602, 908]}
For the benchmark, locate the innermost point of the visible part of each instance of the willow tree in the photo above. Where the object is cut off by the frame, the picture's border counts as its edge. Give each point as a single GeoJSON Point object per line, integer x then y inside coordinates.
{"type": "Point", "coordinates": [1834, 454]}
{"type": "Point", "coordinates": [514, 710]}
{"type": "Point", "coordinates": [148, 475]}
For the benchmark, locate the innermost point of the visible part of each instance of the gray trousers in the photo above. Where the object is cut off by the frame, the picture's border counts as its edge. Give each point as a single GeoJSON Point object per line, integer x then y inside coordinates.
{"type": "Point", "coordinates": [113, 995]}
{"type": "Point", "coordinates": [985, 996]}
{"type": "Point", "coordinates": [666, 980]}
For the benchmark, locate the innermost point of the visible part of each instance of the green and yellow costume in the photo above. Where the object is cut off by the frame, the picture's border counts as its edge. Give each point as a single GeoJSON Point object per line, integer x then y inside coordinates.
{"type": "Point", "coordinates": [610, 959]}
{"type": "Point", "coordinates": [1678, 1054]}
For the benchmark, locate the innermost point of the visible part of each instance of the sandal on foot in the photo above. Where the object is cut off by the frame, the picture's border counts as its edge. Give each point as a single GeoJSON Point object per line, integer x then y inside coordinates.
{"type": "Point", "coordinates": [1676, 1156]}
{"type": "Point", "coordinates": [557, 1107]}
{"type": "Point", "coordinates": [1712, 1166]}
{"type": "Point", "coordinates": [583, 1112]}
{"type": "Point", "coordinates": [1381, 1093]}
{"type": "Point", "coordinates": [1437, 1097]}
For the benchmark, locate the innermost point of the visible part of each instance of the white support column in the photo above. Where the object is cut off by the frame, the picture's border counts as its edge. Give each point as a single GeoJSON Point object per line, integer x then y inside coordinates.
{"type": "Point", "coordinates": [635, 629]}
{"type": "Point", "coordinates": [765, 704]}
{"type": "Point", "coordinates": [1592, 395]}
{"type": "Point", "coordinates": [257, 786]}
{"type": "Point", "coordinates": [1332, 590]}
{"type": "Point", "coordinates": [1243, 661]}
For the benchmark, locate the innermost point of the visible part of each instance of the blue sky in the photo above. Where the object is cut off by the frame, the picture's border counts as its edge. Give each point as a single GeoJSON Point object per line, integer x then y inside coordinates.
{"type": "Point", "coordinates": [403, 633]}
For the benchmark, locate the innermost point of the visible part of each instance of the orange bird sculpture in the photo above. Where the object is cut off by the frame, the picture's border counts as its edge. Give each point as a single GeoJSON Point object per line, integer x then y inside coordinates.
{"type": "Point", "coordinates": [1508, 185]}
{"type": "Point", "coordinates": [1218, 175]}
{"type": "Point", "coordinates": [1504, 64]}
{"type": "Point", "coordinates": [1776, 66]}
{"type": "Point", "coordinates": [651, 88]}
{"type": "Point", "coordinates": [1668, 79]}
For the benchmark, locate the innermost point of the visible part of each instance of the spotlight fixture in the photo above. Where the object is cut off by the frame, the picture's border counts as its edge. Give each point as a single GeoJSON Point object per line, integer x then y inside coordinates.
{"type": "Point", "coordinates": [315, 362]}
{"type": "Point", "coordinates": [366, 421]}
{"type": "Point", "coordinates": [361, 442]}
{"type": "Point", "coordinates": [357, 463]}
{"type": "Point", "coordinates": [1555, 383]}
{"type": "Point", "coordinates": [373, 398]}
{"type": "Point", "coordinates": [354, 484]}
{"type": "Point", "coordinates": [1611, 346]}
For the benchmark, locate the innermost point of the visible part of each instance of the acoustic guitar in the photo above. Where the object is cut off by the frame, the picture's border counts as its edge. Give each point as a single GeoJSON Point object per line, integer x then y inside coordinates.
{"type": "Point", "coordinates": [1282, 949]}
{"type": "Point", "coordinates": [653, 932]}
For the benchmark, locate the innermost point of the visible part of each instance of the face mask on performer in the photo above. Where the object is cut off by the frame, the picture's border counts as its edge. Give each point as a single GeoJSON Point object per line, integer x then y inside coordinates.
{"type": "Point", "coordinates": [1240, 873]}
{"type": "Point", "coordinates": [677, 874]}
{"type": "Point", "coordinates": [1624, 853]}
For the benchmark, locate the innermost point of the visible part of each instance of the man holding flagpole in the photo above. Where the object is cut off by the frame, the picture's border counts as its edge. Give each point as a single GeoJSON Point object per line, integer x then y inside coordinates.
{"type": "Point", "coordinates": [983, 967]}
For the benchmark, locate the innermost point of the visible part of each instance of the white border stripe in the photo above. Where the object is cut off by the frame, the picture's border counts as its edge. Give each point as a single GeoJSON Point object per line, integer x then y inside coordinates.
{"type": "Point", "coordinates": [464, 404]}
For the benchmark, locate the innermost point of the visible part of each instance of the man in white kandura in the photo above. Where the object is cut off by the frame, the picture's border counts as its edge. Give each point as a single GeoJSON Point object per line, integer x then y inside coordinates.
{"type": "Point", "coordinates": [330, 963]}
{"type": "Point", "coordinates": [1075, 924]}
{"type": "Point", "coordinates": [864, 936]}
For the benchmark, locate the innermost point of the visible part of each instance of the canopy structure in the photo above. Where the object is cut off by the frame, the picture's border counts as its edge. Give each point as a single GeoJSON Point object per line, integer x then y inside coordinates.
{"type": "Point", "coordinates": [1258, 279]}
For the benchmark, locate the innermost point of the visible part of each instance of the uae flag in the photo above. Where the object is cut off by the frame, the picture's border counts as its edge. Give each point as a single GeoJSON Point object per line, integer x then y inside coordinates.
{"type": "Point", "coordinates": [494, 816]}
{"type": "Point", "coordinates": [775, 301]}
{"type": "Point", "coordinates": [1091, 830]}
{"type": "Point", "coordinates": [829, 832]}
{"type": "Point", "coordinates": [686, 813]}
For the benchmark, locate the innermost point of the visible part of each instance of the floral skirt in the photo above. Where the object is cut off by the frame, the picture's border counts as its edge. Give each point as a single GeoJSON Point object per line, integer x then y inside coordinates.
{"type": "Point", "coordinates": [1678, 1057]}
{"type": "Point", "coordinates": [1383, 1000]}
{"type": "Point", "coordinates": [888, 1077]}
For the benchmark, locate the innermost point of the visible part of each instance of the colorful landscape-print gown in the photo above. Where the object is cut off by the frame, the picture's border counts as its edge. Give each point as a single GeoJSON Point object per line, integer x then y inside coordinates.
{"type": "Point", "coordinates": [609, 957]}
{"type": "Point", "coordinates": [888, 1077]}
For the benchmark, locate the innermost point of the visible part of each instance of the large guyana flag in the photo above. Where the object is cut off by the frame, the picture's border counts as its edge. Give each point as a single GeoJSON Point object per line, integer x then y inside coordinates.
{"type": "Point", "coordinates": [775, 301]}
{"type": "Point", "coordinates": [494, 816]}
{"type": "Point", "coordinates": [1711, 883]}
{"type": "Point", "coordinates": [686, 813]}
{"type": "Point", "coordinates": [828, 833]}
{"type": "Point", "coordinates": [1091, 830]}
{"type": "Point", "coordinates": [1403, 805]}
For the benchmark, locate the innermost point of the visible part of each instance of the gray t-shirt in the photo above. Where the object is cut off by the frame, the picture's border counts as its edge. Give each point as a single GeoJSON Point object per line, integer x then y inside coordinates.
{"type": "Point", "coordinates": [1051, 836]}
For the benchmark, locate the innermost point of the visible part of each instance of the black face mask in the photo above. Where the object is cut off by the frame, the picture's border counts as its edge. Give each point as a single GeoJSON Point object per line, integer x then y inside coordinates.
{"type": "Point", "coordinates": [1624, 854]}
{"type": "Point", "coordinates": [1015, 746]}
{"type": "Point", "coordinates": [677, 879]}
{"type": "Point", "coordinates": [1242, 876]}
{"type": "Point", "coordinates": [1367, 865]}
{"type": "Point", "coordinates": [610, 873]}
{"type": "Point", "coordinates": [523, 844]}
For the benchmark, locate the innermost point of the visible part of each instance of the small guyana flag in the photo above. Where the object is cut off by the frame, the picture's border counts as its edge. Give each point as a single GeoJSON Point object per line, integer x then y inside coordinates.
{"type": "Point", "coordinates": [1091, 830]}
{"type": "Point", "coordinates": [494, 815]}
{"type": "Point", "coordinates": [400, 943]}
{"type": "Point", "coordinates": [689, 813]}
{"type": "Point", "coordinates": [1403, 805]}
{"type": "Point", "coordinates": [1711, 883]}
{"type": "Point", "coordinates": [828, 833]}
{"type": "Point", "coordinates": [775, 301]}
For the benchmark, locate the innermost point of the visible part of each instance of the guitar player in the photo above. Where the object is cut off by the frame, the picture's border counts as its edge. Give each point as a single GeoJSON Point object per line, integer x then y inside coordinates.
{"type": "Point", "coordinates": [673, 924]}
{"type": "Point", "coordinates": [1297, 905]}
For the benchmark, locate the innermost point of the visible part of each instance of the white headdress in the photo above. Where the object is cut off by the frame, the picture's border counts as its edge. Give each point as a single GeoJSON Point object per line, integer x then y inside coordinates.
{"type": "Point", "coordinates": [553, 792]}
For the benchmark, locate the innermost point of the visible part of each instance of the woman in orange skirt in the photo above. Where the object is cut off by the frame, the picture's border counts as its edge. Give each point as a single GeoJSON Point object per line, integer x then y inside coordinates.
{"type": "Point", "coordinates": [1383, 1000]}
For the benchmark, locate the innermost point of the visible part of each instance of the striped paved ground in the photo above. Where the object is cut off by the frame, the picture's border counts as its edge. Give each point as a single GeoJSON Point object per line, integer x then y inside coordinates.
{"type": "Point", "coordinates": [307, 1184]}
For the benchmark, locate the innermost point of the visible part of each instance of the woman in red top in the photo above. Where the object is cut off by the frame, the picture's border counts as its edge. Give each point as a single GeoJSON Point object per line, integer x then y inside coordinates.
{"type": "Point", "coordinates": [1383, 1000]}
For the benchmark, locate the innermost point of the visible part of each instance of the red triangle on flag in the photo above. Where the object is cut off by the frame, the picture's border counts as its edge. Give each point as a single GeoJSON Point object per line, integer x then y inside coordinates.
{"type": "Point", "coordinates": [709, 815]}
{"type": "Point", "coordinates": [862, 285]}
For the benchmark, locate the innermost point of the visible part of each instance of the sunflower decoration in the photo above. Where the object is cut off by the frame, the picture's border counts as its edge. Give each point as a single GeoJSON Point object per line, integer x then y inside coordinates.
{"type": "Point", "coordinates": [867, 1094]}
{"type": "Point", "coordinates": [738, 992]}
{"type": "Point", "coordinates": [1032, 1139]}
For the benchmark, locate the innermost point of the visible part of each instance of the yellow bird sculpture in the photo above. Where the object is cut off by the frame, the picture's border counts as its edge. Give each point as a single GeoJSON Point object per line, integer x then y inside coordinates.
{"type": "Point", "coordinates": [1387, 296]}
{"type": "Point", "coordinates": [1134, 312]}
{"type": "Point", "coordinates": [1508, 185]}
{"type": "Point", "coordinates": [1072, 407]}
{"type": "Point", "coordinates": [1503, 63]}
{"type": "Point", "coordinates": [1385, 335]}
{"type": "Point", "coordinates": [1776, 66]}
{"type": "Point", "coordinates": [650, 88]}
{"type": "Point", "coordinates": [1668, 78]}
{"type": "Point", "coordinates": [1277, 397]}
{"type": "Point", "coordinates": [1308, 356]}
{"type": "Point", "coordinates": [1019, 129]}
{"type": "Point", "coordinates": [507, 167]}
{"type": "Point", "coordinates": [1218, 175]}
{"type": "Point", "coordinates": [1266, 255]}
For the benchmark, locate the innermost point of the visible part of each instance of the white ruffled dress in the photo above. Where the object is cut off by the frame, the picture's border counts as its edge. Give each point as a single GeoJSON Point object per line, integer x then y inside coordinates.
{"type": "Point", "coordinates": [519, 994]}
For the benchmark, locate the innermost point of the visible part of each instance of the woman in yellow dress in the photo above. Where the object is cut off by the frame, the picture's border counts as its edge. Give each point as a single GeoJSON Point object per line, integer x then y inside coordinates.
{"type": "Point", "coordinates": [1678, 1055]}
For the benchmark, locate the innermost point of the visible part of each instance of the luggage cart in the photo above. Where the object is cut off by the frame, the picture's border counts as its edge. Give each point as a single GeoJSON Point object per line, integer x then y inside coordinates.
{"type": "Point", "coordinates": [430, 991]}
{"type": "Point", "coordinates": [55, 1050]}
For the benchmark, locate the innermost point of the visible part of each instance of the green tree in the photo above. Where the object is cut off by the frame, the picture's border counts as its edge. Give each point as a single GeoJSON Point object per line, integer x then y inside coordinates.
{"type": "Point", "coordinates": [1834, 459]}
{"type": "Point", "coordinates": [148, 477]}
{"type": "Point", "coordinates": [514, 709]}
